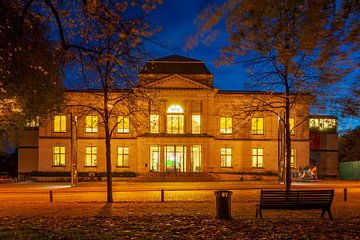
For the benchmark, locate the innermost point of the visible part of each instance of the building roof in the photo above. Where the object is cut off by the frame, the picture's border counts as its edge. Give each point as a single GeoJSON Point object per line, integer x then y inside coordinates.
{"type": "Point", "coordinates": [174, 64]}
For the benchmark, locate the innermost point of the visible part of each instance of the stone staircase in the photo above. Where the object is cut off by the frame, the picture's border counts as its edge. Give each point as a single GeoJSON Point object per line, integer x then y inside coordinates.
{"type": "Point", "coordinates": [175, 177]}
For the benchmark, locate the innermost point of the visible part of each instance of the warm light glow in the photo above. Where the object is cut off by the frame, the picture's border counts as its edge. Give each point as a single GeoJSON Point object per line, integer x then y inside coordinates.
{"type": "Point", "coordinates": [154, 158]}
{"type": "Point", "coordinates": [91, 124]}
{"type": "Point", "coordinates": [292, 125]}
{"type": "Point", "coordinates": [60, 123]}
{"type": "Point", "coordinates": [323, 124]}
{"type": "Point", "coordinates": [226, 156]}
{"type": "Point", "coordinates": [123, 124]}
{"type": "Point", "coordinates": [154, 123]}
{"type": "Point", "coordinates": [257, 157]}
{"type": "Point", "coordinates": [225, 125]}
{"type": "Point", "coordinates": [175, 120]}
{"type": "Point", "coordinates": [195, 124]}
{"type": "Point", "coordinates": [123, 157]}
{"type": "Point", "coordinates": [91, 156]}
{"type": "Point", "coordinates": [59, 156]}
{"type": "Point", "coordinates": [196, 158]}
{"type": "Point", "coordinates": [257, 126]}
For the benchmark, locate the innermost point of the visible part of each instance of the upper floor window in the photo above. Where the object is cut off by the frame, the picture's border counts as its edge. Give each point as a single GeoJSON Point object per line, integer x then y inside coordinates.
{"type": "Point", "coordinates": [257, 126]}
{"type": "Point", "coordinates": [175, 119]}
{"type": "Point", "coordinates": [257, 157]}
{"type": "Point", "coordinates": [123, 124]}
{"type": "Point", "coordinates": [33, 123]}
{"type": "Point", "coordinates": [91, 156]}
{"type": "Point", "coordinates": [58, 156]}
{"type": "Point", "coordinates": [123, 157]}
{"type": "Point", "coordinates": [91, 124]}
{"type": "Point", "coordinates": [292, 158]}
{"type": "Point", "coordinates": [292, 125]}
{"type": "Point", "coordinates": [60, 123]}
{"type": "Point", "coordinates": [225, 125]}
{"type": "Point", "coordinates": [154, 123]}
{"type": "Point", "coordinates": [226, 156]}
{"type": "Point", "coordinates": [195, 124]}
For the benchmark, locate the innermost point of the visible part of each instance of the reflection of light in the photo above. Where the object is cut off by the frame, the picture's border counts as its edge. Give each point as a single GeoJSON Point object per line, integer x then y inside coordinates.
{"type": "Point", "coordinates": [56, 186]}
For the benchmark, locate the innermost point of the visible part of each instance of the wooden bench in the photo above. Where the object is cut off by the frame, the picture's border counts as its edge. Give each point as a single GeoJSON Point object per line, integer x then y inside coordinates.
{"type": "Point", "coordinates": [296, 199]}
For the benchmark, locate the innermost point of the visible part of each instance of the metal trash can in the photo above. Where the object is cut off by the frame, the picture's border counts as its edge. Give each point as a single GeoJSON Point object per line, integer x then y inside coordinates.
{"type": "Point", "coordinates": [223, 204]}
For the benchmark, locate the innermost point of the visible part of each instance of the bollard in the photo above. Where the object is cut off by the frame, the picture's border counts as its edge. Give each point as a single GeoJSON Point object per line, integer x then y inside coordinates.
{"type": "Point", "coordinates": [345, 194]}
{"type": "Point", "coordinates": [162, 195]}
{"type": "Point", "coordinates": [51, 196]}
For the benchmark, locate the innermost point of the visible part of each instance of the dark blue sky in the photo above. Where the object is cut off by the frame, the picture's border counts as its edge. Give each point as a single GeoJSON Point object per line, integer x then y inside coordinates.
{"type": "Point", "coordinates": [177, 21]}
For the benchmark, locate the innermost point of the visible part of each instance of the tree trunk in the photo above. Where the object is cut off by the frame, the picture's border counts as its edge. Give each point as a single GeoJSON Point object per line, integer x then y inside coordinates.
{"type": "Point", "coordinates": [108, 163]}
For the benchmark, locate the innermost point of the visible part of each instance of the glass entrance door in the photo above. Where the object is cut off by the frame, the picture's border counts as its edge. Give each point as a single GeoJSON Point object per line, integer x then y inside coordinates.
{"type": "Point", "coordinates": [175, 158]}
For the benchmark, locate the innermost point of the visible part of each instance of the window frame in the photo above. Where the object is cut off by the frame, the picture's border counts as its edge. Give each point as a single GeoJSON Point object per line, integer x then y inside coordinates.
{"type": "Point", "coordinates": [93, 156]}
{"type": "Point", "coordinates": [60, 155]}
{"type": "Point", "coordinates": [155, 126]}
{"type": "Point", "coordinates": [59, 124]}
{"type": "Point", "coordinates": [255, 126]}
{"type": "Point", "coordinates": [91, 128]}
{"type": "Point", "coordinates": [123, 157]}
{"type": "Point", "coordinates": [193, 125]}
{"type": "Point", "coordinates": [256, 156]}
{"type": "Point", "coordinates": [123, 124]}
{"type": "Point", "coordinates": [224, 158]}
{"type": "Point", "coordinates": [171, 115]}
{"type": "Point", "coordinates": [228, 120]}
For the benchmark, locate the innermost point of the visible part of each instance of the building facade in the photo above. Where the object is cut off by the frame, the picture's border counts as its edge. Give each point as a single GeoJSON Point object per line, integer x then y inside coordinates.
{"type": "Point", "coordinates": [187, 126]}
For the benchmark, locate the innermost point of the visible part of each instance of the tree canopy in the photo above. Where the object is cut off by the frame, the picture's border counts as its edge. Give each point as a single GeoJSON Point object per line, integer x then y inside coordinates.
{"type": "Point", "coordinates": [30, 69]}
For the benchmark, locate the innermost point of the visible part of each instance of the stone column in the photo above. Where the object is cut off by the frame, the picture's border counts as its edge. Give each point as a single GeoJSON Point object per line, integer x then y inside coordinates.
{"type": "Point", "coordinates": [162, 158]}
{"type": "Point", "coordinates": [187, 116]}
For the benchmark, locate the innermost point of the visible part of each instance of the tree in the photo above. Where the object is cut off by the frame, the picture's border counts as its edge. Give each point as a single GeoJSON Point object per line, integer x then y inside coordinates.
{"type": "Point", "coordinates": [349, 145]}
{"type": "Point", "coordinates": [104, 40]}
{"type": "Point", "coordinates": [296, 48]}
{"type": "Point", "coordinates": [30, 70]}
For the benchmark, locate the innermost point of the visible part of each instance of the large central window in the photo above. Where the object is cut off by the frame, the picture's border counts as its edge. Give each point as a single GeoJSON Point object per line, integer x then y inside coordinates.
{"type": "Point", "coordinates": [175, 119]}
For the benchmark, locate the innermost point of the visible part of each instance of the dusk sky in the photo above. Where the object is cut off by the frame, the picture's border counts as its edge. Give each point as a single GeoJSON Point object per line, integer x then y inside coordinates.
{"type": "Point", "coordinates": [177, 22]}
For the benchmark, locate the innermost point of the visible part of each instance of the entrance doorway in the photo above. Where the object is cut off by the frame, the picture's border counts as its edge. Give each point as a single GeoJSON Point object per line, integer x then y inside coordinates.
{"type": "Point", "coordinates": [175, 158]}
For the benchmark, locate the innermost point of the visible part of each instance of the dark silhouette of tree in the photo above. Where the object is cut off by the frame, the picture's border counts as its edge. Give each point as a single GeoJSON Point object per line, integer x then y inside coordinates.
{"type": "Point", "coordinates": [104, 41]}
{"type": "Point", "coordinates": [30, 70]}
{"type": "Point", "coordinates": [297, 48]}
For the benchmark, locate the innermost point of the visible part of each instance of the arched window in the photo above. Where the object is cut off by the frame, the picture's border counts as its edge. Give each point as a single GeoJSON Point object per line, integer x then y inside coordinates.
{"type": "Point", "coordinates": [175, 119]}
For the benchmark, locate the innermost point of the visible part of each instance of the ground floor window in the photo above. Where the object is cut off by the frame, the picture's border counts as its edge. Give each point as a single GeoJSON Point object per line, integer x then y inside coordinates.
{"type": "Point", "coordinates": [59, 156]}
{"type": "Point", "coordinates": [226, 156]}
{"type": "Point", "coordinates": [292, 158]}
{"type": "Point", "coordinates": [123, 157]}
{"type": "Point", "coordinates": [257, 157]}
{"type": "Point", "coordinates": [196, 158]}
{"type": "Point", "coordinates": [175, 158]}
{"type": "Point", "coordinates": [154, 158]}
{"type": "Point", "coordinates": [91, 156]}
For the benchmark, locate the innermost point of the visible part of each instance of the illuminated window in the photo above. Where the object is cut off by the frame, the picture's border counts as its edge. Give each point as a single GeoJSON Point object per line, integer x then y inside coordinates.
{"type": "Point", "coordinates": [175, 119]}
{"type": "Point", "coordinates": [323, 124]}
{"type": "Point", "coordinates": [154, 158]}
{"type": "Point", "coordinates": [257, 126]}
{"type": "Point", "coordinates": [226, 157]}
{"type": "Point", "coordinates": [196, 158]}
{"type": "Point", "coordinates": [123, 124]}
{"type": "Point", "coordinates": [154, 123]}
{"type": "Point", "coordinates": [123, 157]}
{"type": "Point", "coordinates": [257, 157]}
{"type": "Point", "coordinates": [91, 124]}
{"type": "Point", "coordinates": [292, 158]}
{"type": "Point", "coordinates": [195, 124]}
{"type": "Point", "coordinates": [33, 123]}
{"type": "Point", "coordinates": [58, 156]}
{"type": "Point", "coordinates": [60, 123]}
{"type": "Point", "coordinates": [225, 125]}
{"type": "Point", "coordinates": [292, 125]}
{"type": "Point", "coordinates": [90, 156]}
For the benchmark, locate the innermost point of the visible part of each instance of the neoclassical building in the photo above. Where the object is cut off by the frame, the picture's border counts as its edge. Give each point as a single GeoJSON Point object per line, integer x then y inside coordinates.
{"type": "Point", "coordinates": [188, 126]}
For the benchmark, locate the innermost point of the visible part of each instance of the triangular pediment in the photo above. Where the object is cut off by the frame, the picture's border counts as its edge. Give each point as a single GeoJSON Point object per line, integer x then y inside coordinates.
{"type": "Point", "coordinates": [177, 81]}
